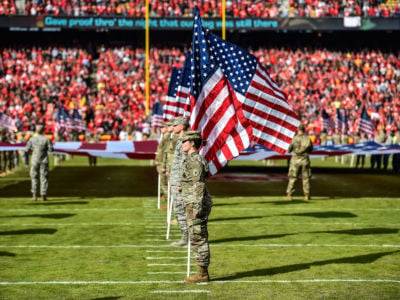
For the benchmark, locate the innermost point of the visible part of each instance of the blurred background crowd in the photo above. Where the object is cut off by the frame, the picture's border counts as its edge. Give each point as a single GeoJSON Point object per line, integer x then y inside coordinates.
{"type": "Point", "coordinates": [209, 8]}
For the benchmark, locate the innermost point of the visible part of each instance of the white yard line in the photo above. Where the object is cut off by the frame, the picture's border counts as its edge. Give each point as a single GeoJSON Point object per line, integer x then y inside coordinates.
{"type": "Point", "coordinates": [181, 281]}
{"type": "Point", "coordinates": [180, 292]}
{"type": "Point", "coordinates": [211, 244]}
{"type": "Point", "coordinates": [165, 257]}
{"type": "Point", "coordinates": [159, 265]}
{"type": "Point", "coordinates": [163, 251]}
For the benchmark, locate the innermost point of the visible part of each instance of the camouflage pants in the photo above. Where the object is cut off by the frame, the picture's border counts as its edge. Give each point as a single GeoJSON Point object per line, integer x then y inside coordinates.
{"type": "Point", "coordinates": [163, 184]}
{"type": "Point", "coordinates": [39, 173]}
{"type": "Point", "coordinates": [297, 165]}
{"type": "Point", "coordinates": [198, 233]}
{"type": "Point", "coordinates": [179, 210]}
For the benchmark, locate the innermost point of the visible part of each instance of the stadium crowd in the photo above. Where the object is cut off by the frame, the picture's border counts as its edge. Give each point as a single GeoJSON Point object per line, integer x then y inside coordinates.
{"type": "Point", "coordinates": [209, 8]}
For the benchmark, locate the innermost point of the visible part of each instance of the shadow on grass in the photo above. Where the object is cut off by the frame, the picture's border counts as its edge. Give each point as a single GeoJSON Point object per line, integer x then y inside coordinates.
{"type": "Point", "coordinates": [47, 216]}
{"type": "Point", "coordinates": [59, 203]}
{"type": "Point", "coordinates": [251, 238]}
{"type": "Point", "coordinates": [323, 215]}
{"type": "Point", "coordinates": [104, 181]}
{"type": "Point", "coordinates": [29, 231]}
{"type": "Point", "coordinates": [361, 259]}
{"type": "Point", "coordinates": [362, 231]}
{"type": "Point", "coordinates": [235, 218]}
{"type": "Point", "coordinates": [4, 253]}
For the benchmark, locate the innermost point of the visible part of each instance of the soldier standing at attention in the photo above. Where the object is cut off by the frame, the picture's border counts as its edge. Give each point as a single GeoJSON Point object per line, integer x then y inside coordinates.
{"type": "Point", "coordinates": [158, 161]}
{"type": "Point", "coordinates": [301, 147]}
{"type": "Point", "coordinates": [40, 147]}
{"type": "Point", "coordinates": [164, 160]}
{"type": "Point", "coordinates": [180, 126]}
{"type": "Point", "coordinates": [198, 202]}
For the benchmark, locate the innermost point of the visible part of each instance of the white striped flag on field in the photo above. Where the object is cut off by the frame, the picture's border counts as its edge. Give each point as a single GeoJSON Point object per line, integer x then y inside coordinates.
{"type": "Point", "coordinates": [170, 101]}
{"type": "Point", "coordinates": [341, 121]}
{"type": "Point", "coordinates": [327, 122]}
{"type": "Point", "coordinates": [7, 121]}
{"type": "Point", "coordinates": [273, 121]}
{"type": "Point", "coordinates": [365, 125]}
{"type": "Point", "coordinates": [215, 109]}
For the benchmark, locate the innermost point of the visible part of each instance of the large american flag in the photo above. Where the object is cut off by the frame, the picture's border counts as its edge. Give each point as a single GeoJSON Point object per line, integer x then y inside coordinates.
{"type": "Point", "coordinates": [273, 121]}
{"type": "Point", "coordinates": [170, 103]}
{"type": "Point", "coordinates": [327, 122]}
{"type": "Point", "coordinates": [156, 115]}
{"type": "Point", "coordinates": [365, 125]}
{"type": "Point", "coordinates": [215, 109]}
{"type": "Point", "coordinates": [341, 121]}
{"type": "Point", "coordinates": [7, 121]}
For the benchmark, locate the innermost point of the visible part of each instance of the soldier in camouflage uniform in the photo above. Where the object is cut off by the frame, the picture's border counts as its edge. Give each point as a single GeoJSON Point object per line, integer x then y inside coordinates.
{"type": "Point", "coordinates": [164, 159]}
{"type": "Point", "coordinates": [301, 147]}
{"type": "Point", "coordinates": [160, 158]}
{"type": "Point", "coordinates": [60, 137]}
{"type": "Point", "coordinates": [170, 149]}
{"type": "Point", "coordinates": [180, 126]}
{"type": "Point", "coordinates": [40, 146]}
{"type": "Point", "coordinates": [198, 202]}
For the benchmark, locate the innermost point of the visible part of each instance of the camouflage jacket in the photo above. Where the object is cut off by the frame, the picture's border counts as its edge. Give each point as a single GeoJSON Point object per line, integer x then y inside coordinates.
{"type": "Point", "coordinates": [301, 146]}
{"type": "Point", "coordinates": [170, 151]}
{"type": "Point", "coordinates": [193, 182]}
{"type": "Point", "coordinates": [163, 160]}
{"type": "Point", "coordinates": [177, 162]}
{"type": "Point", "coordinates": [40, 146]}
{"type": "Point", "coordinates": [159, 151]}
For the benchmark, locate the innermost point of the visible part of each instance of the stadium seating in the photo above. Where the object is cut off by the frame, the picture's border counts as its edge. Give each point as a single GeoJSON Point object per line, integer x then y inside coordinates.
{"type": "Point", "coordinates": [209, 8]}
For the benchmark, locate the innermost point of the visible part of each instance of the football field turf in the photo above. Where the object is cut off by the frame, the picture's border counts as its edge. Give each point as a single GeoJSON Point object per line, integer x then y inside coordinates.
{"type": "Point", "coordinates": [101, 236]}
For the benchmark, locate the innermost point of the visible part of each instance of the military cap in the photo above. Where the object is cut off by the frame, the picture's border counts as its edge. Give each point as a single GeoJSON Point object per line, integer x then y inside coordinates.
{"type": "Point", "coordinates": [180, 121]}
{"type": "Point", "coordinates": [166, 124]}
{"type": "Point", "coordinates": [39, 128]}
{"type": "Point", "coordinates": [191, 135]}
{"type": "Point", "coordinates": [301, 127]}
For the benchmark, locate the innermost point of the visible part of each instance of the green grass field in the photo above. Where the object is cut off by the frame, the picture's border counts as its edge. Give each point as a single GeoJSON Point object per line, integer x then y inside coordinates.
{"type": "Point", "coordinates": [101, 236]}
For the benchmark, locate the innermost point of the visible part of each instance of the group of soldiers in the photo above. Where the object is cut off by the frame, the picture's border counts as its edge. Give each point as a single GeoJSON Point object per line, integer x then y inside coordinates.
{"type": "Point", "coordinates": [9, 160]}
{"type": "Point", "coordinates": [183, 173]}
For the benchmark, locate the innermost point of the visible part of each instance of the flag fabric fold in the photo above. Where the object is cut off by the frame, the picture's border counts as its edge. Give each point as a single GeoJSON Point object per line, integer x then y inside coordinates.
{"type": "Point", "coordinates": [170, 104]}
{"type": "Point", "coordinates": [365, 125]}
{"type": "Point", "coordinates": [156, 115]}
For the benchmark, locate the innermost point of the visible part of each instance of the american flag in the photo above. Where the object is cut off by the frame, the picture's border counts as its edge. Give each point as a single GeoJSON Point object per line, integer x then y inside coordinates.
{"type": "Point", "coordinates": [365, 125]}
{"type": "Point", "coordinates": [156, 115]}
{"type": "Point", "coordinates": [170, 103]}
{"type": "Point", "coordinates": [273, 121]}
{"type": "Point", "coordinates": [77, 121]}
{"type": "Point", "coordinates": [7, 121]}
{"type": "Point", "coordinates": [327, 122]}
{"type": "Point", "coordinates": [183, 93]}
{"type": "Point", "coordinates": [63, 120]}
{"type": "Point", "coordinates": [341, 121]}
{"type": "Point", "coordinates": [215, 109]}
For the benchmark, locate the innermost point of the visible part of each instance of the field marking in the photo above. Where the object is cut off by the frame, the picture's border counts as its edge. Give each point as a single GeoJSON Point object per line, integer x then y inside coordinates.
{"type": "Point", "coordinates": [163, 226]}
{"type": "Point", "coordinates": [157, 240]}
{"type": "Point", "coordinates": [162, 251]}
{"type": "Point", "coordinates": [309, 208]}
{"type": "Point", "coordinates": [181, 281]}
{"type": "Point", "coordinates": [159, 265]}
{"type": "Point", "coordinates": [155, 273]}
{"type": "Point", "coordinates": [179, 291]}
{"type": "Point", "coordinates": [211, 244]}
{"type": "Point", "coordinates": [165, 257]}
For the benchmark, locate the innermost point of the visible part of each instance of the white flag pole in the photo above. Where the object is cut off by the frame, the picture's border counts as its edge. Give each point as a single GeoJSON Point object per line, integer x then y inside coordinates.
{"type": "Point", "coordinates": [169, 217]}
{"type": "Point", "coordinates": [159, 191]}
{"type": "Point", "coordinates": [168, 200]}
{"type": "Point", "coordinates": [188, 258]}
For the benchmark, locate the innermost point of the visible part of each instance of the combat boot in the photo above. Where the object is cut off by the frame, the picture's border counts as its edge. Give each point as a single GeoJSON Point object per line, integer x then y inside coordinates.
{"type": "Point", "coordinates": [200, 276]}
{"type": "Point", "coordinates": [183, 242]}
{"type": "Point", "coordinates": [163, 198]}
{"type": "Point", "coordinates": [289, 198]}
{"type": "Point", "coordinates": [34, 198]}
{"type": "Point", "coordinates": [307, 197]}
{"type": "Point", "coordinates": [174, 222]}
{"type": "Point", "coordinates": [44, 198]}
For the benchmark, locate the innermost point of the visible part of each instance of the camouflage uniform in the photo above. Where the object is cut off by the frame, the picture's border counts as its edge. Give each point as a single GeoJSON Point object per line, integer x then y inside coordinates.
{"type": "Point", "coordinates": [162, 163]}
{"type": "Point", "coordinates": [301, 146]}
{"type": "Point", "coordinates": [198, 205]}
{"type": "Point", "coordinates": [92, 159]}
{"type": "Point", "coordinates": [170, 151]}
{"type": "Point", "coordinates": [40, 145]}
{"type": "Point", "coordinates": [4, 155]}
{"type": "Point", "coordinates": [175, 181]}
{"type": "Point", "coordinates": [60, 137]}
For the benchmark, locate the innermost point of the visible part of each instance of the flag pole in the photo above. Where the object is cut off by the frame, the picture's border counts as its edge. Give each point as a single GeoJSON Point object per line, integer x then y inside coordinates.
{"type": "Point", "coordinates": [159, 191]}
{"type": "Point", "coordinates": [223, 10]}
{"type": "Point", "coordinates": [168, 199]}
{"type": "Point", "coordinates": [188, 258]}
{"type": "Point", "coordinates": [147, 59]}
{"type": "Point", "coordinates": [169, 217]}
